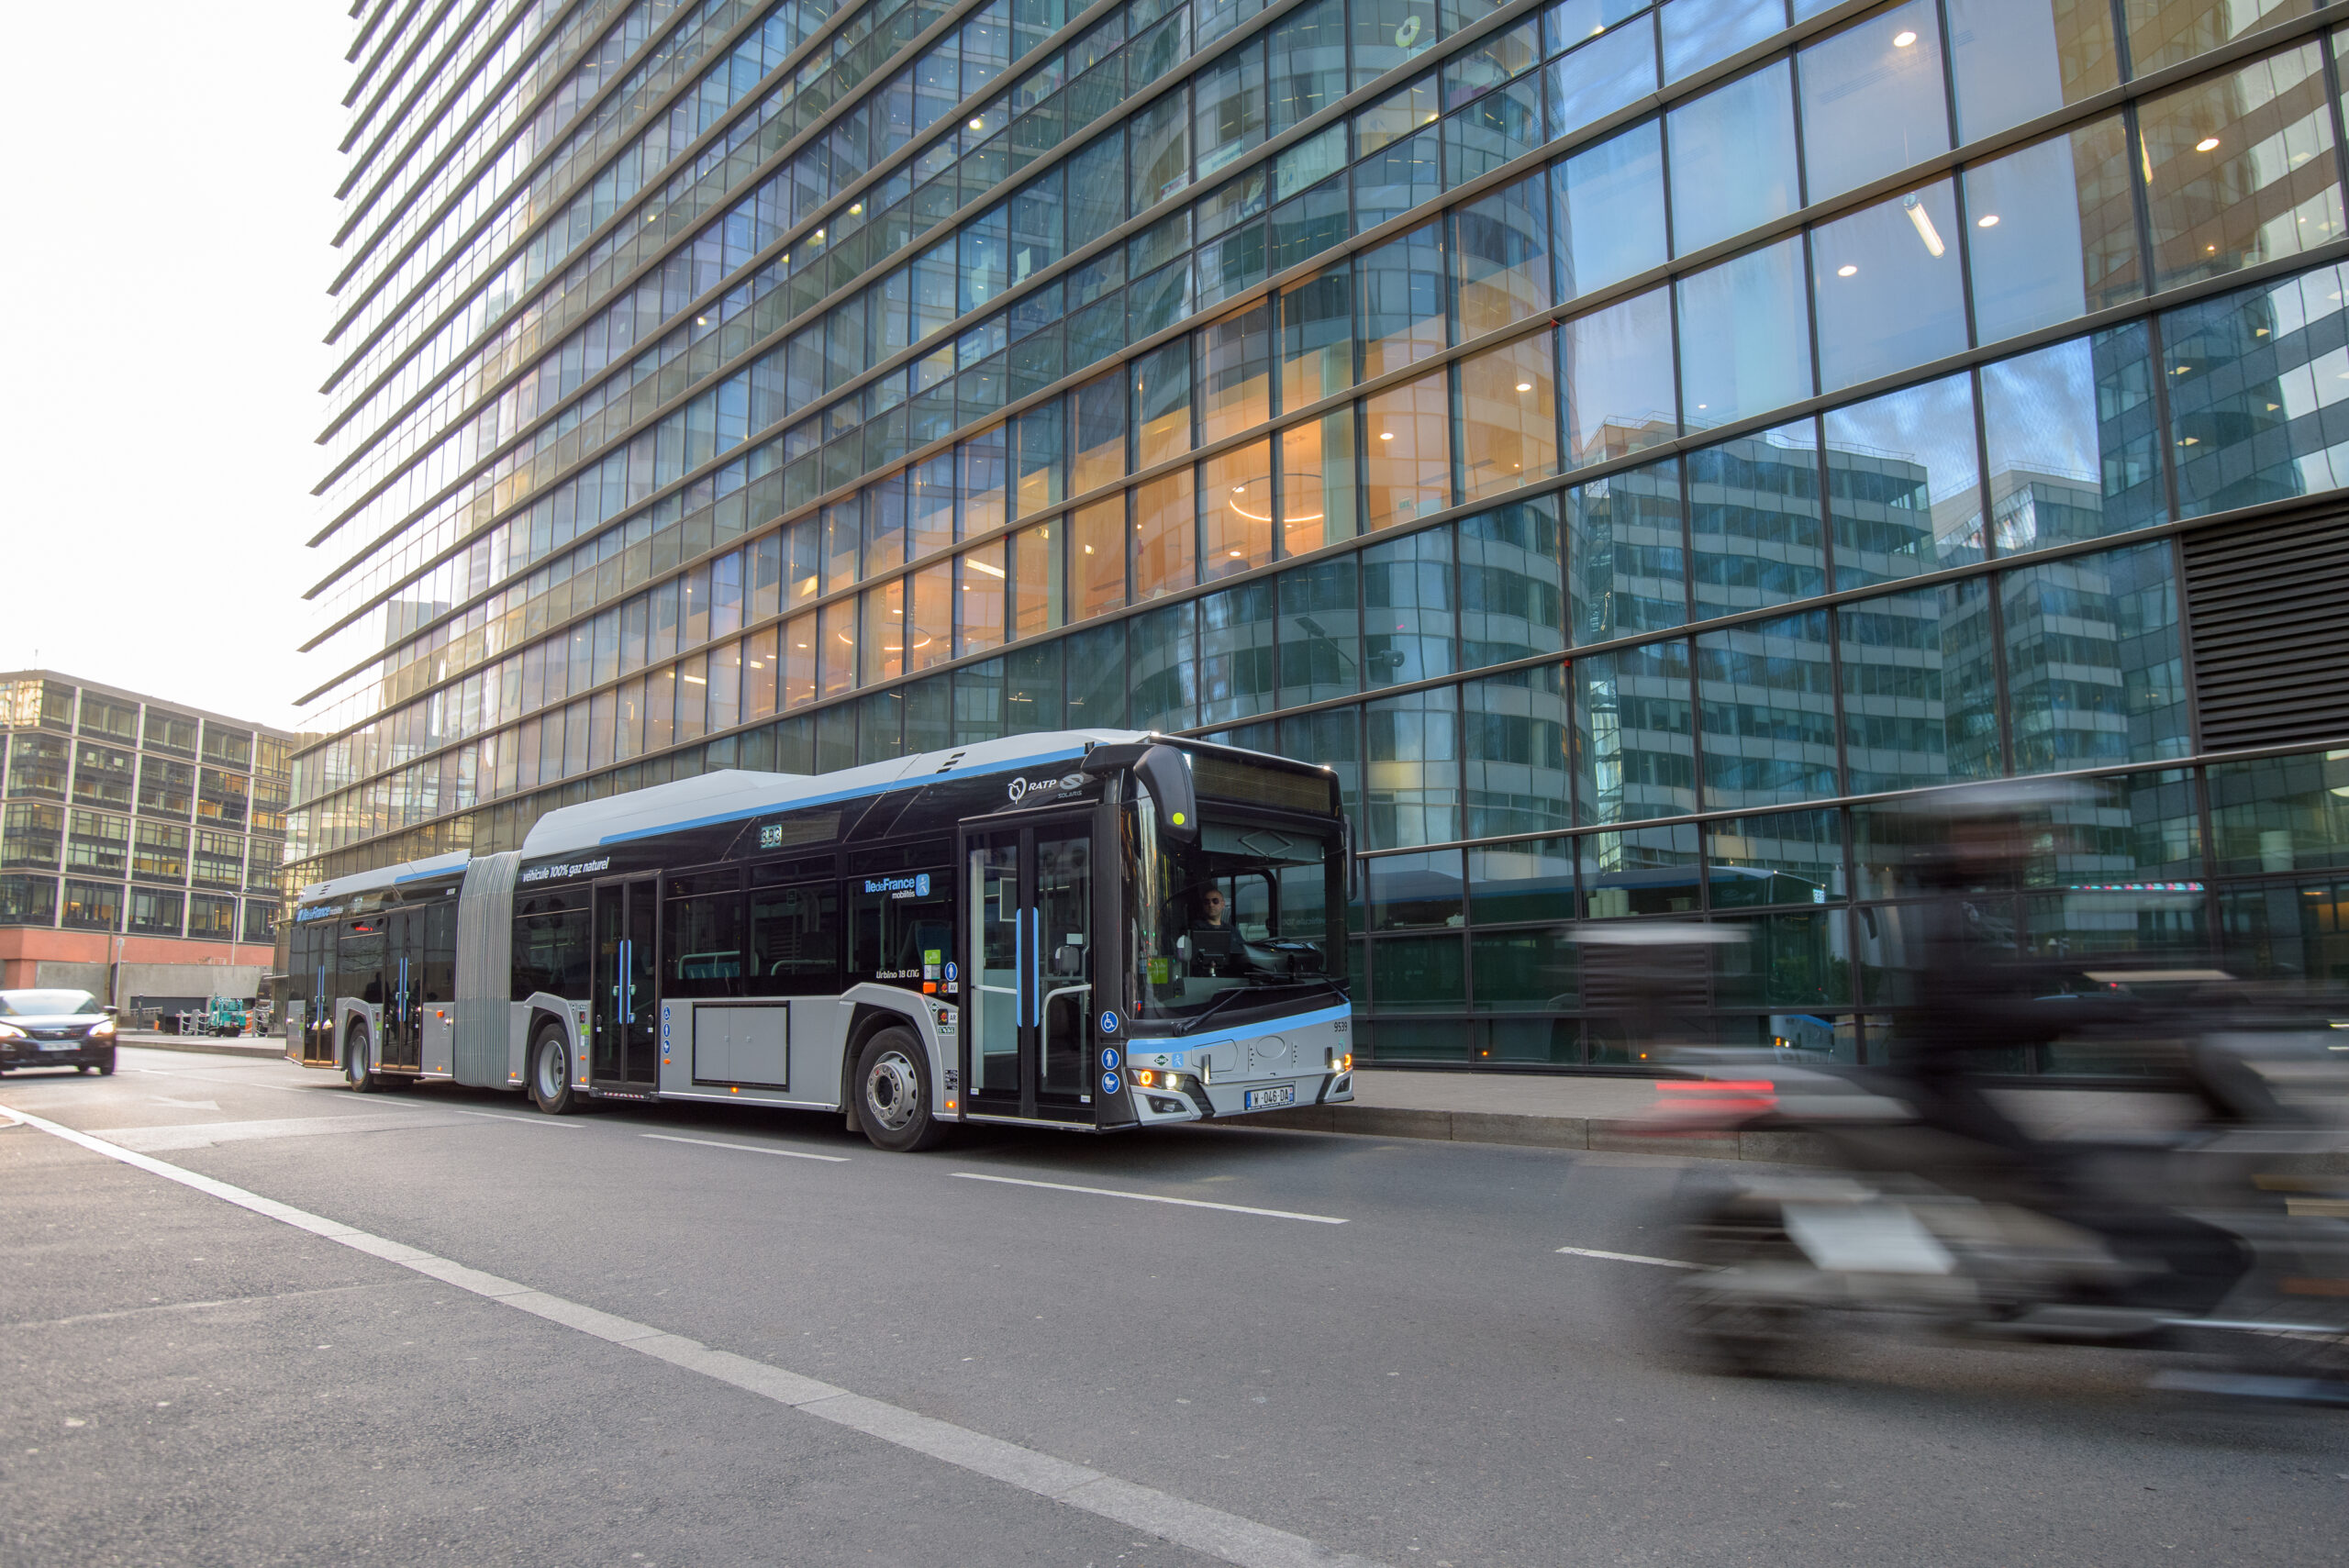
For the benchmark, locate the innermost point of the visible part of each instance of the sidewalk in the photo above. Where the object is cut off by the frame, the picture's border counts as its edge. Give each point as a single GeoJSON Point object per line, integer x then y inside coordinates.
{"type": "Point", "coordinates": [1604, 1114]}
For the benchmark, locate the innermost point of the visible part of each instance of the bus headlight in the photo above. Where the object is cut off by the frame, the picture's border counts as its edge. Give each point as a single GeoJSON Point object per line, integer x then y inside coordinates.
{"type": "Point", "coordinates": [1339, 1060]}
{"type": "Point", "coordinates": [1159, 1078]}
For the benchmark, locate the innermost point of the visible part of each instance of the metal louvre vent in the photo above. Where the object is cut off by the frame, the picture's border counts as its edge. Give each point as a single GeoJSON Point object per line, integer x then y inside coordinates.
{"type": "Point", "coordinates": [2269, 607]}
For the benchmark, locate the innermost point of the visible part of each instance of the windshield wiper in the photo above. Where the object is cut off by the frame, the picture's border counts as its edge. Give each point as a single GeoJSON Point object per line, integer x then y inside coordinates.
{"type": "Point", "coordinates": [1187, 1025]}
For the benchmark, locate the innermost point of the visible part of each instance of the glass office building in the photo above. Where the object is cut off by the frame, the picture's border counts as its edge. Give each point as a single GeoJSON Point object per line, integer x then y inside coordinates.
{"type": "Point", "coordinates": [1629, 442]}
{"type": "Point", "coordinates": [133, 833]}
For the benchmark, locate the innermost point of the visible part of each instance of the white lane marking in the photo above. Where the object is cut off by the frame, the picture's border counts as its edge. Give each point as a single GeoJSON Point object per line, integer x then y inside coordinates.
{"type": "Point", "coordinates": [524, 1121]}
{"type": "Point", "coordinates": [1629, 1258]}
{"type": "Point", "coordinates": [747, 1147]}
{"type": "Point", "coordinates": [204, 1134]}
{"type": "Point", "coordinates": [1151, 1197]}
{"type": "Point", "coordinates": [1177, 1520]}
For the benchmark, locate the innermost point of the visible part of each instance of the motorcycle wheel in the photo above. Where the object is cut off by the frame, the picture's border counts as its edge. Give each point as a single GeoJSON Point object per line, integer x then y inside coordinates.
{"type": "Point", "coordinates": [1725, 1332]}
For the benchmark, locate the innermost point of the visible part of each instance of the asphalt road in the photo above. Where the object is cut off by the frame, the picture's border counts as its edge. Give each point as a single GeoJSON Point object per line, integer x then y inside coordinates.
{"type": "Point", "coordinates": [1428, 1383]}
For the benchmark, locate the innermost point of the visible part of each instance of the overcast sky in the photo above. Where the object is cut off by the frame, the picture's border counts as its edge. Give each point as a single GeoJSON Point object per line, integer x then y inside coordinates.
{"type": "Point", "coordinates": [174, 169]}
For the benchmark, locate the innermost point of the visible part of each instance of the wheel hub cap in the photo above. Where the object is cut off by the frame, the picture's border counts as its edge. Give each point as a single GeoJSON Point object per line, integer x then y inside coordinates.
{"type": "Point", "coordinates": [891, 1091]}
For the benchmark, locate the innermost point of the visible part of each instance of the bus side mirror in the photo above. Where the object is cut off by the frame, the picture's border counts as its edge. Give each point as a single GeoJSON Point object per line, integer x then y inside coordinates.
{"type": "Point", "coordinates": [1167, 774]}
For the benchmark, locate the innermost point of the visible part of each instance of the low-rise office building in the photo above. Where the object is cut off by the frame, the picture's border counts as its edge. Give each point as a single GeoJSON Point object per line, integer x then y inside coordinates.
{"type": "Point", "coordinates": [141, 843]}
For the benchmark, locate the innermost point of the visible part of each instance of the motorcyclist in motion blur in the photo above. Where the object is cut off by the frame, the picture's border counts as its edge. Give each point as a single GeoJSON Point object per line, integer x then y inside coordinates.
{"type": "Point", "coordinates": [1977, 1002]}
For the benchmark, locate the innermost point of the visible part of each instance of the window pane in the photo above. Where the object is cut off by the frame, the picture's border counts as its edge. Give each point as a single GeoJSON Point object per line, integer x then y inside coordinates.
{"type": "Point", "coordinates": [1508, 417]}
{"type": "Point", "coordinates": [2093, 669]}
{"type": "Point", "coordinates": [933, 505]}
{"type": "Point", "coordinates": [1503, 258]}
{"type": "Point", "coordinates": [1612, 70]}
{"type": "Point", "coordinates": [1036, 593]}
{"type": "Point", "coordinates": [1745, 337]}
{"type": "Point", "coordinates": [1100, 433]}
{"type": "Point", "coordinates": [1755, 523]}
{"type": "Point", "coordinates": [2239, 169]}
{"type": "Point", "coordinates": [1236, 511]}
{"type": "Point", "coordinates": [1698, 32]}
{"type": "Point", "coordinates": [1236, 670]}
{"type": "Point", "coordinates": [929, 616]}
{"type": "Point", "coordinates": [836, 654]}
{"type": "Point", "coordinates": [1515, 746]}
{"type": "Point", "coordinates": [1733, 158]}
{"type": "Point", "coordinates": [1331, 738]}
{"type": "Point", "coordinates": [1407, 611]}
{"type": "Point", "coordinates": [1162, 151]}
{"type": "Point", "coordinates": [979, 598]}
{"type": "Point", "coordinates": [1919, 688]}
{"type": "Point", "coordinates": [1235, 372]}
{"type": "Point", "coordinates": [2072, 441]}
{"type": "Point", "coordinates": [2016, 59]}
{"type": "Point", "coordinates": [2054, 232]}
{"type": "Point", "coordinates": [1309, 61]}
{"type": "Point", "coordinates": [1413, 788]}
{"type": "Point", "coordinates": [1317, 338]}
{"type": "Point", "coordinates": [1043, 459]}
{"type": "Point", "coordinates": [1162, 404]}
{"type": "Point", "coordinates": [1165, 669]}
{"type": "Point", "coordinates": [1097, 678]}
{"type": "Point", "coordinates": [1402, 285]}
{"type": "Point", "coordinates": [1320, 632]}
{"type": "Point", "coordinates": [1619, 379]}
{"type": "Point", "coordinates": [1646, 871]}
{"type": "Point", "coordinates": [1607, 210]}
{"type": "Point", "coordinates": [1510, 603]}
{"type": "Point", "coordinates": [1419, 974]}
{"type": "Point", "coordinates": [1032, 688]}
{"type": "Point", "coordinates": [1792, 857]}
{"type": "Point", "coordinates": [1872, 99]}
{"type": "Point", "coordinates": [2163, 32]}
{"type": "Point", "coordinates": [1625, 566]}
{"type": "Point", "coordinates": [1532, 881]}
{"type": "Point", "coordinates": [1096, 561]}
{"type": "Point", "coordinates": [1890, 293]}
{"type": "Point", "coordinates": [1388, 32]}
{"type": "Point", "coordinates": [2280, 814]}
{"type": "Point", "coordinates": [1634, 754]}
{"type": "Point", "coordinates": [2256, 392]}
{"type": "Point", "coordinates": [1504, 124]}
{"type": "Point", "coordinates": [883, 644]}
{"type": "Point", "coordinates": [1903, 483]}
{"type": "Point", "coordinates": [1407, 461]}
{"type": "Point", "coordinates": [1229, 118]}
{"type": "Point", "coordinates": [1317, 503]}
{"type": "Point", "coordinates": [1768, 716]}
{"type": "Point", "coordinates": [1414, 892]}
{"type": "Point", "coordinates": [1166, 537]}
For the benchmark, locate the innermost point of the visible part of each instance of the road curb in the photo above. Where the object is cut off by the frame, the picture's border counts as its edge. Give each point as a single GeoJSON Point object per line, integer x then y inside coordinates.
{"type": "Point", "coordinates": [1613, 1135]}
{"type": "Point", "coordinates": [210, 1047]}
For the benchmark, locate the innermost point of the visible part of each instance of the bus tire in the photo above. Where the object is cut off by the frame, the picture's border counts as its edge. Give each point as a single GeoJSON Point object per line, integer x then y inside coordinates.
{"type": "Point", "coordinates": [551, 1086]}
{"type": "Point", "coordinates": [358, 1068]}
{"type": "Point", "coordinates": [892, 1092]}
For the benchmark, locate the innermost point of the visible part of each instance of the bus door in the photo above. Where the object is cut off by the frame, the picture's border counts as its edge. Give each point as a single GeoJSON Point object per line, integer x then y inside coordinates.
{"type": "Point", "coordinates": [1028, 1034]}
{"type": "Point", "coordinates": [403, 984]}
{"type": "Point", "coordinates": [623, 1044]}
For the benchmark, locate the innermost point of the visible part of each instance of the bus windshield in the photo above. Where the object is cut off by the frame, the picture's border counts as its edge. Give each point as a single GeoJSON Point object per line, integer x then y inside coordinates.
{"type": "Point", "coordinates": [1250, 907]}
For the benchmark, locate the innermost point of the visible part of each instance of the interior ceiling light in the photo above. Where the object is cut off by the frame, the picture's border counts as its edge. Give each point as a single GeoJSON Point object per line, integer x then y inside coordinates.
{"type": "Point", "coordinates": [1923, 222]}
{"type": "Point", "coordinates": [1525, 386]}
{"type": "Point", "coordinates": [1903, 39]}
{"type": "Point", "coordinates": [2207, 144]}
{"type": "Point", "coordinates": [1988, 220]}
{"type": "Point", "coordinates": [1845, 271]}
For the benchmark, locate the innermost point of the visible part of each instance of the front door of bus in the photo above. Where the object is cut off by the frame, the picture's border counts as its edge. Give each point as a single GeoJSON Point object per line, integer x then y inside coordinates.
{"type": "Point", "coordinates": [1031, 962]}
{"type": "Point", "coordinates": [622, 1048]}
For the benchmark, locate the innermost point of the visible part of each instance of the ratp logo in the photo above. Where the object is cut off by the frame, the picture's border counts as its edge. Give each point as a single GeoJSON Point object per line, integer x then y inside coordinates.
{"type": "Point", "coordinates": [1019, 790]}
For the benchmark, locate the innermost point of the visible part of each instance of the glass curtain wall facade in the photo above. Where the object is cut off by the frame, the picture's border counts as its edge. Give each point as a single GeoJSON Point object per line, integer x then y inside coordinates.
{"type": "Point", "coordinates": [122, 815]}
{"type": "Point", "coordinates": [1625, 441]}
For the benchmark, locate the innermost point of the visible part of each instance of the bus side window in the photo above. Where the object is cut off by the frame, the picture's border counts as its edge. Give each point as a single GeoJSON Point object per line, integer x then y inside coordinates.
{"type": "Point", "coordinates": [794, 940]}
{"type": "Point", "coordinates": [551, 949]}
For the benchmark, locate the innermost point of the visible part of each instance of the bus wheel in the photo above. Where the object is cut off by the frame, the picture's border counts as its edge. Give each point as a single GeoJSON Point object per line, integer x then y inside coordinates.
{"type": "Point", "coordinates": [356, 1071]}
{"type": "Point", "coordinates": [550, 1088]}
{"type": "Point", "coordinates": [893, 1094]}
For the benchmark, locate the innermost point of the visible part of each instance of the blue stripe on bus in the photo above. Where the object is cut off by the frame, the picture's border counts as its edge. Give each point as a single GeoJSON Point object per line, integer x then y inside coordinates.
{"type": "Point", "coordinates": [1011, 766]}
{"type": "Point", "coordinates": [1153, 1043]}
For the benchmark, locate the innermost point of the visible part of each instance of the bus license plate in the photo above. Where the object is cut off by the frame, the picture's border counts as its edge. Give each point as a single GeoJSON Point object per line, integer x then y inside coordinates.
{"type": "Point", "coordinates": [1263, 1099]}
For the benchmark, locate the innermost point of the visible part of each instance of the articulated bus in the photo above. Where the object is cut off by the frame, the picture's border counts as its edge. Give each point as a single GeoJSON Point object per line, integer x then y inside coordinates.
{"type": "Point", "coordinates": [1087, 930]}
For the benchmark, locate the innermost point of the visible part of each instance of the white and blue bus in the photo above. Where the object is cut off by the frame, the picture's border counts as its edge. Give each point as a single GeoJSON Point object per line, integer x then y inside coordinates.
{"type": "Point", "coordinates": [1087, 930]}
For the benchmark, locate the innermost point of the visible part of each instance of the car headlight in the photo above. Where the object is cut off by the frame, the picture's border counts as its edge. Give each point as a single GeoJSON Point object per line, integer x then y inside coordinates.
{"type": "Point", "coordinates": [101, 1029]}
{"type": "Point", "coordinates": [10, 1031]}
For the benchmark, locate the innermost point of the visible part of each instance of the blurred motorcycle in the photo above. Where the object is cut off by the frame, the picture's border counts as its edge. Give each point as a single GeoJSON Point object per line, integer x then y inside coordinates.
{"type": "Point", "coordinates": [2226, 1238]}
